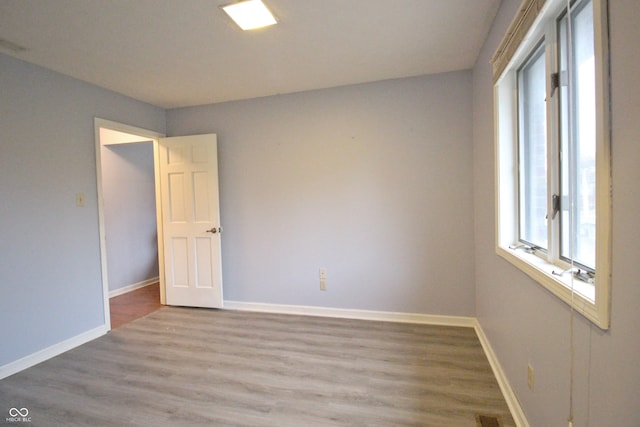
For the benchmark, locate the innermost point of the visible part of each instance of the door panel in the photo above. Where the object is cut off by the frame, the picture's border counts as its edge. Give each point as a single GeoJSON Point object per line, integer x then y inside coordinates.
{"type": "Point", "coordinates": [177, 205]}
{"type": "Point", "coordinates": [191, 220]}
{"type": "Point", "coordinates": [179, 262]}
{"type": "Point", "coordinates": [203, 255]}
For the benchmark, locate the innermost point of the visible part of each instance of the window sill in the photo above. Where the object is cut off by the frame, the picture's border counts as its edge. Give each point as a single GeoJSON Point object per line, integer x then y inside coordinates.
{"type": "Point", "coordinates": [583, 296]}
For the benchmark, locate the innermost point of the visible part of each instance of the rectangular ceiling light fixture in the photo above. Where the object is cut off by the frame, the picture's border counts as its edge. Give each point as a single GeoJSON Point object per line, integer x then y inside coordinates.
{"type": "Point", "coordinates": [250, 14]}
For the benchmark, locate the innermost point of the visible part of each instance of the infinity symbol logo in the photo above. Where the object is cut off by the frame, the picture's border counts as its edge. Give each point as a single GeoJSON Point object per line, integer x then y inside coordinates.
{"type": "Point", "coordinates": [14, 412]}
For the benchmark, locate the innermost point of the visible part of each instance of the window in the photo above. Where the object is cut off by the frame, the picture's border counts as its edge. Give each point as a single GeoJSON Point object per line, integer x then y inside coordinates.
{"type": "Point", "coordinates": [532, 148]}
{"type": "Point", "coordinates": [577, 136]}
{"type": "Point", "coordinates": [552, 151]}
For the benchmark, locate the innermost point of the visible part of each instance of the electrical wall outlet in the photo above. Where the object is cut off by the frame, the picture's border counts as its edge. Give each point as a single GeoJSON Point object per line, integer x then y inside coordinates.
{"type": "Point", "coordinates": [530, 382]}
{"type": "Point", "coordinates": [323, 279]}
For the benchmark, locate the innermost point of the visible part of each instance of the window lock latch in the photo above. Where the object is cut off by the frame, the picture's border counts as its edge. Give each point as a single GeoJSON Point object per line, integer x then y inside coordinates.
{"type": "Point", "coordinates": [555, 84]}
{"type": "Point", "coordinates": [555, 206]}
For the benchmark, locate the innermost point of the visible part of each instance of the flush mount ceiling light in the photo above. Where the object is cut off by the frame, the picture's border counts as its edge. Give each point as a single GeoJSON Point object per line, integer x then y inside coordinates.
{"type": "Point", "coordinates": [250, 14]}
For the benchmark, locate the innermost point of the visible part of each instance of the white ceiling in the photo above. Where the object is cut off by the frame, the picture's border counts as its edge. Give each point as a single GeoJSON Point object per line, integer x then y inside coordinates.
{"type": "Point", "coordinates": [175, 53]}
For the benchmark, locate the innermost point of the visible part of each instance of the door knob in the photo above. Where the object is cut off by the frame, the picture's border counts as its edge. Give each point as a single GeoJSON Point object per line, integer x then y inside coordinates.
{"type": "Point", "coordinates": [213, 230]}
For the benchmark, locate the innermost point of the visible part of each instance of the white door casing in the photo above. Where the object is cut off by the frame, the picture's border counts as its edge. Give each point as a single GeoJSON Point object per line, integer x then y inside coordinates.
{"type": "Point", "coordinates": [137, 134]}
{"type": "Point", "coordinates": [191, 220]}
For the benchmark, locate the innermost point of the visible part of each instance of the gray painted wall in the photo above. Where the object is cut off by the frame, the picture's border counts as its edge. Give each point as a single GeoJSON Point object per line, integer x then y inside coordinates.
{"type": "Point", "coordinates": [371, 182]}
{"type": "Point", "coordinates": [524, 322]}
{"type": "Point", "coordinates": [128, 188]}
{"type": "Point", "coordinates": [50, 282]}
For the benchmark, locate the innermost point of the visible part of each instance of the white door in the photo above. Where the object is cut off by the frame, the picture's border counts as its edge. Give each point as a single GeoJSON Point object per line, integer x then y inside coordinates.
{"type": "Point", "coordinates": [191, 220]}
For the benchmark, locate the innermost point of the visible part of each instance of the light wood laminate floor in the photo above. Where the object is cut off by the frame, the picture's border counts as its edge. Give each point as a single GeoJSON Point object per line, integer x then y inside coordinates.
{"type": "Point", "coordinates": [199, 367]}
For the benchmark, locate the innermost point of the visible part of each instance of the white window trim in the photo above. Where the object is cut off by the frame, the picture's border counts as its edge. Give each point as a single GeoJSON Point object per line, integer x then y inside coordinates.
{"type": "Point", "coordinates": [574, 292]}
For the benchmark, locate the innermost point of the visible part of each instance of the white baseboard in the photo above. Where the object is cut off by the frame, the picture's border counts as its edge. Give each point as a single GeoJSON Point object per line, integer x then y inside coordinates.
{"type": "Point", "coordinates": [512, 401]}
{"type": "Point", "coordinates": [385, 316]}
{"type": "Point", "coordinates": [129, 288]}
{"type": "Point", "coordinates": [51, 351]}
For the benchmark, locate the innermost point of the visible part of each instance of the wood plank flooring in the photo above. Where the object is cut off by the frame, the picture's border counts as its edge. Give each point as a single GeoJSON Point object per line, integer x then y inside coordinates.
{"type": "Point", "coordinates": [134, 305]}
{"type": "Point", "coordinates": [184, 367]}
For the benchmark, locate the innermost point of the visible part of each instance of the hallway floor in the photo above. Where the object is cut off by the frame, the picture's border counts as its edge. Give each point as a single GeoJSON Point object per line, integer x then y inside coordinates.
{"type": "Point", "coordinates": [134, 305]}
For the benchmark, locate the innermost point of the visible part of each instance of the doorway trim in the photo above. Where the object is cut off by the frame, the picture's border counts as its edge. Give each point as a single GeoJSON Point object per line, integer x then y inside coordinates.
{"type": "Point", "coordinates": [144, 134]}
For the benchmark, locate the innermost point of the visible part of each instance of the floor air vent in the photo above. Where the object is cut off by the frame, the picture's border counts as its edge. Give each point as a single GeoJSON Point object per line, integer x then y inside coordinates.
{"type": "Point", "coordinates": [488, 421]}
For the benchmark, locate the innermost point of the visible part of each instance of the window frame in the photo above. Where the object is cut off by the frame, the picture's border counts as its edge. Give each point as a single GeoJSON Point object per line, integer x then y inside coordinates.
{"type": "Point", "coordinates": [591, 300]}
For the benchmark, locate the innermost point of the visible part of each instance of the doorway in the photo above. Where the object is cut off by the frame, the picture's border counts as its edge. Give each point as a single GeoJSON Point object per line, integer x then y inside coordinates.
{"type": "Point", "coordinates": [128, 211]}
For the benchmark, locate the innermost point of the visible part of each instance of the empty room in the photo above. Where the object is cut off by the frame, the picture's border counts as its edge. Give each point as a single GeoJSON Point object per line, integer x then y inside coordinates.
{"type": "Point", "coordinates": [355, 213]}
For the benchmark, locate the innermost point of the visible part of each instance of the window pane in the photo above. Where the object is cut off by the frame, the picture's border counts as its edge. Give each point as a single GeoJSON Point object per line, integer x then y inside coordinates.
{"type": "Point", "coordinates": [532, 173]}
{"type": "Point", "coordinates": [578, 166]}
